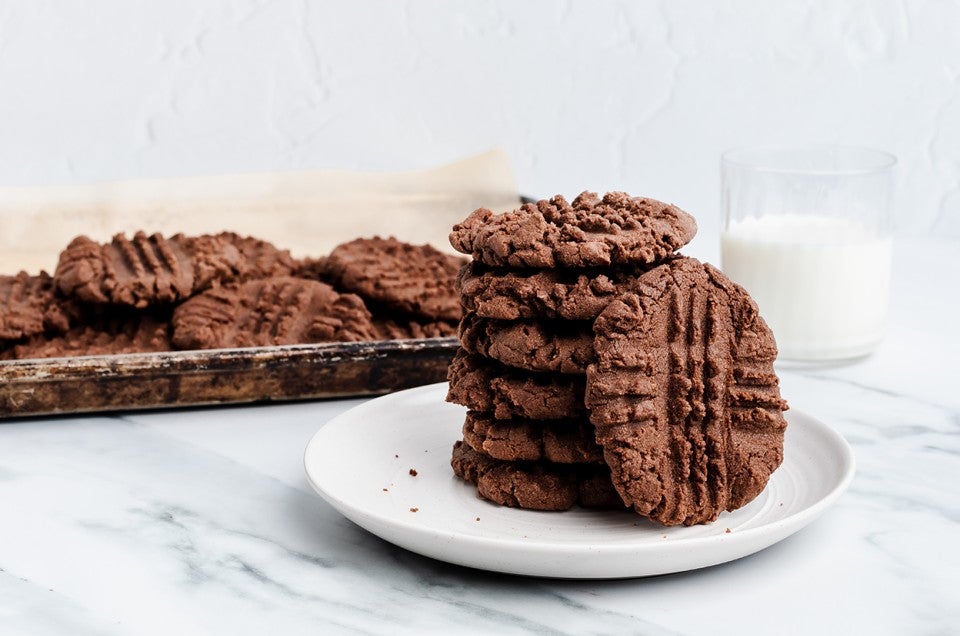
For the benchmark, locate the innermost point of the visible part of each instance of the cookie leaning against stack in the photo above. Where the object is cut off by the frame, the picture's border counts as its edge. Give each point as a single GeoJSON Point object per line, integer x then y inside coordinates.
{"type": "Point", "coordinates": [601, 368]}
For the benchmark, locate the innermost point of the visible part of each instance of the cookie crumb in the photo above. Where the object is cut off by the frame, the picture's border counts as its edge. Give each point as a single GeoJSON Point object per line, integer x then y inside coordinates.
{"type": "Point", "coordinates": [386, 490]}
{"type": "Point", "coordinates": [727, 531]}
{"type": "Point", "coordinates": [413, 472]}
{"type": "Point", "coordinates": [478, 518]}
{"type": "Point", "coordinates": [414, 509]}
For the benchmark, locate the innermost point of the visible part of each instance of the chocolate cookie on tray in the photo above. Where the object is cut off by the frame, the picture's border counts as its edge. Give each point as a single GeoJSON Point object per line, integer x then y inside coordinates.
{"type": "Point", "coordinates": [411, 328]}
{"type": "Point", "coordinates": [553, 346]}
{"type": "Point", "coordinates": [271, 311]}
{"type": "Point", "coordinates": [416, 280]}
{"type": "Point", "coordinates": [684, 396]}
{"type": "Point", "coordinates": [102, 296]}
{"type": "Point", "coordinates": [535, 485]}
{"type": "Point", "coordinates": [615, 230]}
{"type": "Point", "coordinates": [122, 332]}
{"type": "Point", "coordinates": [29, 307]}
{"type": "Point", "coordinates": [312, 269]}
{"type": "Point", "coordinates": [259, 258]}
{"type": "Point", "coordinates": [145, 270]}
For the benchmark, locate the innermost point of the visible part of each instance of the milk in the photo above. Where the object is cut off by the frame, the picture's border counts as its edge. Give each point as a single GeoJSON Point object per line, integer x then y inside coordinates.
{"type": "Point", "coordinates": [822, 283]}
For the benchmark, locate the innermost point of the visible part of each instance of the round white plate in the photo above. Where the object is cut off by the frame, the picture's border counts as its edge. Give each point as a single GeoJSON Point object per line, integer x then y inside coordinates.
{"type": "Point", "coordinates": [360, 462]}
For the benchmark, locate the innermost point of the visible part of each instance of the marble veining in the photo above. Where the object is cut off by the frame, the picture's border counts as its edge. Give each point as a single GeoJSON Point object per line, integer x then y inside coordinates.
{"type": "Point", "coordinates": [201, 522]}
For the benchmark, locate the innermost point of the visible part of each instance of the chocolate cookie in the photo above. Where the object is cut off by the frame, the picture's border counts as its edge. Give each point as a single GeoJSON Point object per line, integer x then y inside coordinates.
{"type": "Point", "coordinates": [28, 307]}
{"type": "Point", "coordinates": [559, 347]}
{"type": "Point", "coordinates": [413, 279]}
{"type": "Point", "coordinates": [684, 397]}
{"type": "Point", "coordinates": [534, 486]}
{"type": "Point", "coordinates": [411, 328]}
{"type": "Point", "coordinates": [272, 311]}
{"type": "Point", "coordinates": [124, 332]}
{"type": "Point", "coordinates": [260, 259]}
{"type": "Point", "coordinates": [312, 269]}
{"type": "Point", "coordinates": [616, 230]}
{"type": "Point", "coordinates": [484, 385]}
{"type": "Point", "coordinates": [523, 294]}
{"type": "Point", "coordinates": [145, 270]}
{"type": "Point", "coordinates": [557, 441]}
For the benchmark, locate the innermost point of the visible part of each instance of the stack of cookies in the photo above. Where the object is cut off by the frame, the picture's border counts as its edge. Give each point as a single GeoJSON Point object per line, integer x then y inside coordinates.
{"type": "Point", "coordinates": [601, 368]}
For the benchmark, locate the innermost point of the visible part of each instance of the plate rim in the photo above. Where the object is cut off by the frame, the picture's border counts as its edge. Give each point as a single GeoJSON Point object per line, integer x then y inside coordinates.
{"type": "Point", "coordinates": [793, 522]}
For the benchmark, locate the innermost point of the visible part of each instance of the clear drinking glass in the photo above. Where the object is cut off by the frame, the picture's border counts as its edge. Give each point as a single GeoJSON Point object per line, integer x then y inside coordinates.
{"type": "Point", "coordinates": [807, 231]}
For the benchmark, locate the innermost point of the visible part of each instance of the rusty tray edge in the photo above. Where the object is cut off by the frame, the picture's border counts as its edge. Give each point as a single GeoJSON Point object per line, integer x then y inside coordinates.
{"type": "Point", "coordinates": [64, 386]}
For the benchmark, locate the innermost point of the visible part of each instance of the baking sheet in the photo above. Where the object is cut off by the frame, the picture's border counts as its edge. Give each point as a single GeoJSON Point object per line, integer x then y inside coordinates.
{"type": "Point", "coordinates": [306, 212]}
{"type": "Point", "coordinates": [225, 376]}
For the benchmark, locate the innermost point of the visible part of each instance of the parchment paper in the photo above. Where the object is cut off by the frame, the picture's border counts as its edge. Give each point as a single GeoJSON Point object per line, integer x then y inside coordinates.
{"type": "Point", "coordinates": [307, 212]}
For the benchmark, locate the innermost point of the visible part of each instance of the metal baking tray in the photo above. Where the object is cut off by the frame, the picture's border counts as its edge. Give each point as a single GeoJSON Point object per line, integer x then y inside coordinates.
{"type": "Point", "coordinates": [55, 386]}
{"type": "Point", "coordinates": [306, 213]}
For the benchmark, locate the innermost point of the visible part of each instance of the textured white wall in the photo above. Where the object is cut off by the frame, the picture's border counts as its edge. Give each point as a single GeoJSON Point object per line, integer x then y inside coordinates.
{"type": "Point", "coordinates": [641, 96]}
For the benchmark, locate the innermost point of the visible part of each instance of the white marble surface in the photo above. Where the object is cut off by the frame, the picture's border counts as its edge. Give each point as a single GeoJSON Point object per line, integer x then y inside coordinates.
{"type": "Point", "coordinates": [201, 522]}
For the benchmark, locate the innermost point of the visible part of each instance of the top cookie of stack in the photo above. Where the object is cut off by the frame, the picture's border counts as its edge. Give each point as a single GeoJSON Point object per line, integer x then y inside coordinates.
{"type": "Point", "coordinates": [615, 230]}
{"type": "Point", "coordinates": [600, 367]}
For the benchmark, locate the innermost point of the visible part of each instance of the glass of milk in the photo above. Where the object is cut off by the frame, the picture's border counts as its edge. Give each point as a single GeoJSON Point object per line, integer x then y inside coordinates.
{"type": "Point", "coordinates": [807, 233]}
